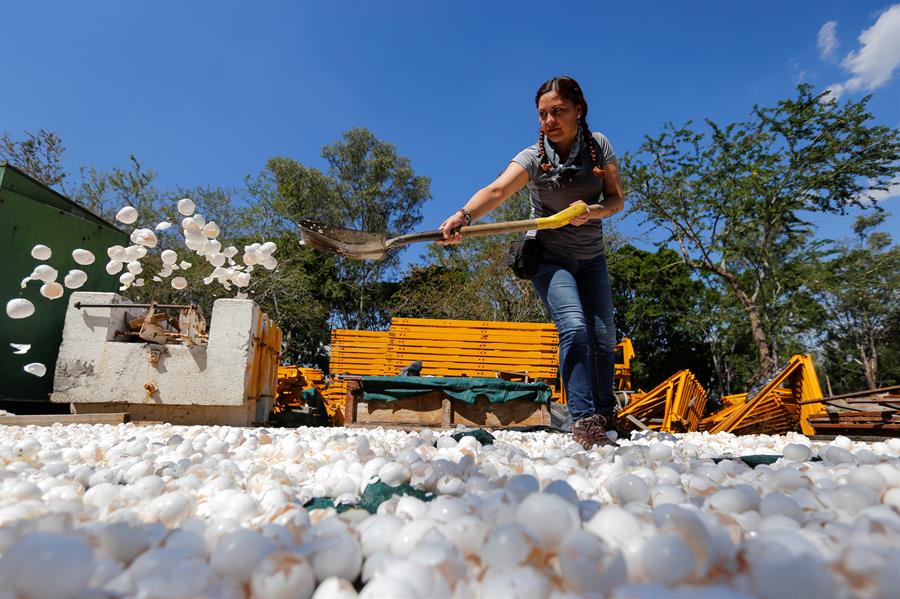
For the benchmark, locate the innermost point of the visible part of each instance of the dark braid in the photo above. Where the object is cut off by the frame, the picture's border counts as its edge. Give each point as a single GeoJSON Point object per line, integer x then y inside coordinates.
{"type": "Point", "coordinates": [569, 89]}
{"type": "Point", "coordinates": [545, 162]}
{"type": "Point", "coordinates": [589, 139]}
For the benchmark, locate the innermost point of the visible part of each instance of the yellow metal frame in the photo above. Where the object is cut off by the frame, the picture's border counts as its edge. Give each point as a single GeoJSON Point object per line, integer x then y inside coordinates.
{"type": "Point", "coordinates": [677, 404]}
{"type": "Point", "coordinates": [777, 407]}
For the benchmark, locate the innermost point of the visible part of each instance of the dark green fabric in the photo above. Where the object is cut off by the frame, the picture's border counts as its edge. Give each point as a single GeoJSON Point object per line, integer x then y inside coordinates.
{"type": "Point", "coordinates": [755, 460]}
{"type": "Point", "coordinates": [481, 435]}
{"type": "Point", "coordinates": [462, 388]}
{"type": "Point", "coordinates": [374, 495]}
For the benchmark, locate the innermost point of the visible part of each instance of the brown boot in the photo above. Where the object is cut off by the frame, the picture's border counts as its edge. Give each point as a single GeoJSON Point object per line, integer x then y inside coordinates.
{"type": "Point", "coordinates": [590, 431]}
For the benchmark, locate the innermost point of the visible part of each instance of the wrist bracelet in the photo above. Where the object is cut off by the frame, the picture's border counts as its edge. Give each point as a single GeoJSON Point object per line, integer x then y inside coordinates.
{"type": "Point", "coordinates": [466, 215]}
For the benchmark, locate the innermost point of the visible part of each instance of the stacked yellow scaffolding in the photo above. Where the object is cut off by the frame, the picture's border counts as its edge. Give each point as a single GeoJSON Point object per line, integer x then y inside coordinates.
{"type": "Point", "coordinates": [777, 407]}
{"type": "Point", "coordinates": [674, 406]}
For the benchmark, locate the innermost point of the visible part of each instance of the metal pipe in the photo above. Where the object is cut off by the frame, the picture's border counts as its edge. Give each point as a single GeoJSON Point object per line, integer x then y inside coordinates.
{"type": "Point", "coordinates": [854, 394]}
{"type": "Point", "coordinates": [79, 306]}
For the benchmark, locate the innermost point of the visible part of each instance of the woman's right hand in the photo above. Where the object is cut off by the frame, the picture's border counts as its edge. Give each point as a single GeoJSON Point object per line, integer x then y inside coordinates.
{"type": "Point", "coordinates": [450, 228]}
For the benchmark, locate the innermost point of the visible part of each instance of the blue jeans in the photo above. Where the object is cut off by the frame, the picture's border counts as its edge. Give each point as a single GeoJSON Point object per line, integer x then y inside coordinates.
{"type": "Point", "coordinates": [578, 296]}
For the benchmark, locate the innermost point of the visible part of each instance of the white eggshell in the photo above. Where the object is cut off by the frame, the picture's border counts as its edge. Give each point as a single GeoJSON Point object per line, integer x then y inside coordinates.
{"type": "Point", "coordinates": [114, 267]}
{"type": "Point", "coordinates": [45, 273]}
{"type": "Point", "coordinates": [41, 252]}
{"type": "Point", "coordinates": [19, 308]}
{"type": "Point", "coordinates": [29, 562]}
{"type": "Point", "coordinates": [210, 229]}
{"type": "Point", "coordinates": [52, 290]}
{"type": "Point", "coordinates": [35, 368]}
{"type": "Point", "coordinates": [186, 206]}
{"type": "Point", "coordinates": [135, 268]}
{"type": "Point", "coordinates": [75, 279]}
{"type": "Point", "coordinates": [127, 215]}
{"type": "Point", "coordinates": [549, 517]}
{"type": "Point", "coordinates": [20, 348]}
{"type": "Point", "coordinates": [168, 256]}
{"type": "Point", "coordinates": [163, 226]}
{"type": "Point", "coordinates": [179, 282]}
{"type": "Point", "coordinates": [283, 575]}
{"type": "Point", "coordinates": [83, 257]}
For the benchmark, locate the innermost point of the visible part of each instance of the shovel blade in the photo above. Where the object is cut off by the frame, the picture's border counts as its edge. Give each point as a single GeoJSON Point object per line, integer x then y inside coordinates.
{"type": "Point", "coordinates": [342, 242]}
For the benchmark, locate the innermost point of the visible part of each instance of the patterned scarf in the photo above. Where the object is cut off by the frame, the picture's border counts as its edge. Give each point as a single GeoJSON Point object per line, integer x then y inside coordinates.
{"type": "Point", "coordinates": [568, 167]}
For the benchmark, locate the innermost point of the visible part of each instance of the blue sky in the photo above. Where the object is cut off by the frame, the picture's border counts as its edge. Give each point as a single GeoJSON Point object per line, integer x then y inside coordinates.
{"type": "Point", "coordinates": [205, 92]}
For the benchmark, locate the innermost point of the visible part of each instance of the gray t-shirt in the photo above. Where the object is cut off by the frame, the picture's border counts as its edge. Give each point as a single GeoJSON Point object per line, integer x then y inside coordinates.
{"type": "Point", "coordinates": [549, 197]}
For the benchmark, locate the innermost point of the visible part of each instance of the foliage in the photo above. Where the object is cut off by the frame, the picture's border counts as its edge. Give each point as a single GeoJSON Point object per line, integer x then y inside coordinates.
{"type": "Point", "coordinates": [732, 200]}
{"type": "Point", "coordinates": [368, 187]}
{"type": "Point", "coordinates": [861, 294]}
{"type": "Point", "coordinates": [469, 281]}
{"type": "Point", "coordinates": [656, 299]}
{"type": "Point", "coordinates": [39, 156]}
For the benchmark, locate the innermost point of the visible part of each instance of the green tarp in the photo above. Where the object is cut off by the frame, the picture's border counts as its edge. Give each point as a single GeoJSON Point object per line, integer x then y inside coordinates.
{"type": "Point", "coordinates": [467, 389]}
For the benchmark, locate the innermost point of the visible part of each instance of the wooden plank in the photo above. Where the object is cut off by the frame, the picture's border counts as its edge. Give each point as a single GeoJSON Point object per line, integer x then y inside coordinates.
{"type": "Point", "coordinates": [50, 419]}
{"type": "Point", "coordinates": [483, 413]}
{"type": "Point", "coordinates": [424, 410]}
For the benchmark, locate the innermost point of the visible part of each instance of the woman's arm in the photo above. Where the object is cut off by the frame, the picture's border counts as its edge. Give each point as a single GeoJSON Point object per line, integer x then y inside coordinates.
{"type": "Point", "coordinates": [613, 195]}
{"type": "Point", "coordinates": [485, 200]}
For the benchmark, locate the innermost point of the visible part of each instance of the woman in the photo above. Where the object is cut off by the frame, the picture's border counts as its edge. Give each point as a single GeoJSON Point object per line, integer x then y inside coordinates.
{"type": "Point", "coordinates": [568, 164]}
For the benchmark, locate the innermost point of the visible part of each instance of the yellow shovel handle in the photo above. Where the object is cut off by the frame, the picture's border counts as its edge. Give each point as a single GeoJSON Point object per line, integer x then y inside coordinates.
{"type": "Point", "coordinates": [563, 217]}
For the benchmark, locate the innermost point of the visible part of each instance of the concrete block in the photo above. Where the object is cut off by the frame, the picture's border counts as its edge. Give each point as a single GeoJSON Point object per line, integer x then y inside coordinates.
{"type": "Point", "coordinates": [237, 369]}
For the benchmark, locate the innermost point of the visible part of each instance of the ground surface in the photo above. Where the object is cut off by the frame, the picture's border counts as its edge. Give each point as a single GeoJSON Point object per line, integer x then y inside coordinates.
{"type": "Point", "coordinates": [167, 511]}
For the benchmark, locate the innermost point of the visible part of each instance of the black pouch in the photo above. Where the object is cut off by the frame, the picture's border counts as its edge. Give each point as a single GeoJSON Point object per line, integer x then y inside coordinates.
{"type": "Point", "coordinates": [524, 255]}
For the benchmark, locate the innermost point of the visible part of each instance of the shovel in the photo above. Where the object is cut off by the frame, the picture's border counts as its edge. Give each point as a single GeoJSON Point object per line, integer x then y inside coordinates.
{"type": "Point", "coordinates": [373, 246]}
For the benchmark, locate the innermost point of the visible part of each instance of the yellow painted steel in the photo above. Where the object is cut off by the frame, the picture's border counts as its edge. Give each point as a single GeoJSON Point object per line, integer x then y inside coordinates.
{"type": "Point", "coordinates": [474, 348]}
{"type": "Point", "coordinates": [776, 408]}
{"type": "Point", "coordinates": [674, 406]}
{"type": "Point", "coordinates": [262, 379]}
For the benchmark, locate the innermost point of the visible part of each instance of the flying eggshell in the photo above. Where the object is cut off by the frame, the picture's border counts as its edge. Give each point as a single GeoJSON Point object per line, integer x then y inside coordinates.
{"type": "Point", "coordinates": [36, 368]}
{"type": "Point", "coordinates": [20, 348]}
{"type": "Point", "coordinates": [114, 267]}
{"type": "Point", "coordinates": [163, 226]}
{"type": "Point", "coordinates": [179, 282]}
{"type": "Point", "coordinates": [83, 257]}
{"type": "Point", "coordinates": [41, 252]}
{"type": "Point", "coordinates": [186, 206]}
{"type": "Point", "coordinates": [168, 257]}
{"type": "Point", "coordinates": [75, 279]}
{"type": "Point", "coordinates": [52, 290]}
{"type": "Point", "coordinates": [45, 273]}
{"type": "Point", "coordinates": [127, 215]}
{"type": "Point", "coordinates": [19, 308]}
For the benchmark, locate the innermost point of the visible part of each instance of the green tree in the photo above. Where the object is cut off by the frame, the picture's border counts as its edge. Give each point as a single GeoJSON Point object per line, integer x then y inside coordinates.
{"type": "Point", "coordinates": [38, 155]}
{"type": "Point", "coordinates": [861, 296]}
{"type": "Point", "coordinates": [655, 298]}
{"type": "Point", "coordinates": [732, 201]}
{"type": "Point", "coordinates": [469, 280]}
{"type": "Point", "coordinates": [368, 187]}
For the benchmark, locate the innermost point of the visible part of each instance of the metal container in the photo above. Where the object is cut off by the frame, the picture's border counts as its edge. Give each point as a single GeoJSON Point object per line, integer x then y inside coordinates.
{"type": "Point", "coordinates": [32, 213]}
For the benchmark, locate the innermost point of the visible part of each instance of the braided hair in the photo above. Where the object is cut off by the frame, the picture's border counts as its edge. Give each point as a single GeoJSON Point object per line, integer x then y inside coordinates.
{"type": "Point", "coordinates": [569, 89]}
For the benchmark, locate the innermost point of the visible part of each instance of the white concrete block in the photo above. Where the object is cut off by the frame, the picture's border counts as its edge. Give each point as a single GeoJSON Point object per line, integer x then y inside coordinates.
{"type": "Point", "coordinates": [237, 368]}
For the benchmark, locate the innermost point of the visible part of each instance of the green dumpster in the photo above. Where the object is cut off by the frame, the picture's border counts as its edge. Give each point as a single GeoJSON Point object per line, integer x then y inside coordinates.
{"type": "Point", "coordinates": [32, 213]}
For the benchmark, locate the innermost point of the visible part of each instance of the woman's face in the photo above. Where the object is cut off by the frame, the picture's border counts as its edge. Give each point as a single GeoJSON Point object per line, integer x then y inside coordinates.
{"type": "Point", "coordinates": [559, 117]}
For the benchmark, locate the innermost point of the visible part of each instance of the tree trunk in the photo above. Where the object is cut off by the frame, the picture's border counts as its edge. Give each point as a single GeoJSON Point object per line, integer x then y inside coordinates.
{"type": "Point", "coordinates": [760, 339]}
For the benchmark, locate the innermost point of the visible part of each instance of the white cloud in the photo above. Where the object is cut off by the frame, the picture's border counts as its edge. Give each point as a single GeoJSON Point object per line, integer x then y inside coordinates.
{"type": "Point", "coordinates": [873, 64]}
{"type": "Point", "coordinates": [827, 39]}
{"type": "Point", "coordinates": [892, 191]}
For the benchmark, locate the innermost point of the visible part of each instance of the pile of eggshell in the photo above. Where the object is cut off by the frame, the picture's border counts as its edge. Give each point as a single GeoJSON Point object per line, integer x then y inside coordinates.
{"type": "Point", "coordinates": [175, 512]}
{"type": "Point", "coordinates": [199, 237]}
